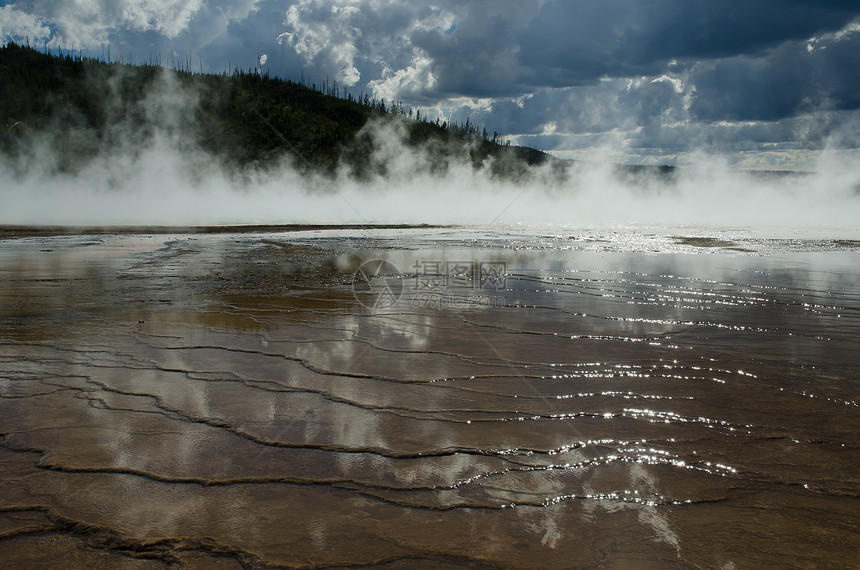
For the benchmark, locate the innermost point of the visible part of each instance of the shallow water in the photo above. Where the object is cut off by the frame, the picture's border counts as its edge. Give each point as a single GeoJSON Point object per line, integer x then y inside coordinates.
{"type": "Point", "coordinates": [518, 398]}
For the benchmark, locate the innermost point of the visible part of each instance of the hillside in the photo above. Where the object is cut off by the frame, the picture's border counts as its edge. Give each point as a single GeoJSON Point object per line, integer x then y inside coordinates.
{"type": "Point", "coordinates": [80, 109]}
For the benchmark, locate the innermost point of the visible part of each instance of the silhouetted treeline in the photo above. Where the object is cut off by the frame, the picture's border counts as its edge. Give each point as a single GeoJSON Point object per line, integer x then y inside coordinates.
{"type": "Point", "coordinates": [80, 109]}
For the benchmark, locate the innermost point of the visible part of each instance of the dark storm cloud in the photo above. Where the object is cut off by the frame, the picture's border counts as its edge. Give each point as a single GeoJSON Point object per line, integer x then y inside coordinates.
{"type": "Point", "coordinates": [480, 57]}
{"type": "Point", "coordinates": [795, 78]}
{"type": "Point", "coordinates": [244, 40]}
{"type": "Point", "coordinates": [574, 42]}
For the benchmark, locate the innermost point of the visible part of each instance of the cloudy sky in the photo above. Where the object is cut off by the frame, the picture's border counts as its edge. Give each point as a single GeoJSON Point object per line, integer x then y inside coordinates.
{"type": "Point", "coordinates": [764, 83]}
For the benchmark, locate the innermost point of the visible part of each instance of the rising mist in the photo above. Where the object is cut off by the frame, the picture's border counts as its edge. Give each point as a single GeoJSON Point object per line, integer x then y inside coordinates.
{"type": "Point", "coordinates": [151, 166]}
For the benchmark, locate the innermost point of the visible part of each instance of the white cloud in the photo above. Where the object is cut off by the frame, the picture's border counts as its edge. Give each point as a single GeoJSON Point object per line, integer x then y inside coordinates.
{"type": "Point", "coordinates": [168, 17]}
{"type": "Point", "coordinates": [15, 23]}
{"type": "Point", "coordinates": [847, 31]}
{"type": "Point", "coordinates": [87, 23]}
{"type": "Point", "coordinates": [549, 128]}
{"type": "Point", "coordinates": [674, 81]}
{"type": "Point", "coordinates": [322, 32]}
{"type": "Point", "coordinates": [413, 80]}
{"type": "Point", "coordinates": [342, 37]}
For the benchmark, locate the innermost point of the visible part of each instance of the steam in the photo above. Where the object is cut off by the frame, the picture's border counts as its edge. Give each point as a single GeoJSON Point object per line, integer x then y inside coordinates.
{"type": "Point", "coordinates": [163, 181]}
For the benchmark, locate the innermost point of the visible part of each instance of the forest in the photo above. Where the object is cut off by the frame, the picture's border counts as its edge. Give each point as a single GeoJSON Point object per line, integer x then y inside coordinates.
{"type": "Point", "coordinates": [81, 108]}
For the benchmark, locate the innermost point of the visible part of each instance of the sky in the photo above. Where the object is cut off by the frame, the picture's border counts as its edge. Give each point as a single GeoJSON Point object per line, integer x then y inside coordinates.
{"type": "Point", "coordinates": [762, 84]}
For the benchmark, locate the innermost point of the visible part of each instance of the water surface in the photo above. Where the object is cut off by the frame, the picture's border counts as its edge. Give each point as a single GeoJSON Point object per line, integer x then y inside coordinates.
{"type": "Point", "coordinates": [613, 397]}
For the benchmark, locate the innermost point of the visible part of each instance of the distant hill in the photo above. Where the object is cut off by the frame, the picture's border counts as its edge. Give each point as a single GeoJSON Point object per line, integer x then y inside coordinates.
{"type": "Point", "coordinates": [82, 108]}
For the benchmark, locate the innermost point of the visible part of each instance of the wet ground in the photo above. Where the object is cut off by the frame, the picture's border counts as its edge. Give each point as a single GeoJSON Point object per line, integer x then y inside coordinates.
{"type": "Point", "coordinates": [430, 398]}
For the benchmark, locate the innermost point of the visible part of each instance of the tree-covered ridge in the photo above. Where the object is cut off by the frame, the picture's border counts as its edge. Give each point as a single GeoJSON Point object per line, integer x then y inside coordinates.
{"type": "Point", "coordinates": [81, 108]}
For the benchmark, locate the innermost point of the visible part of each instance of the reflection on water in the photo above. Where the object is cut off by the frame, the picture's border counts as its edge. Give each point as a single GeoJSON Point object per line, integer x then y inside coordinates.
{"type": "Point", "coordinates": [231, 399]}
